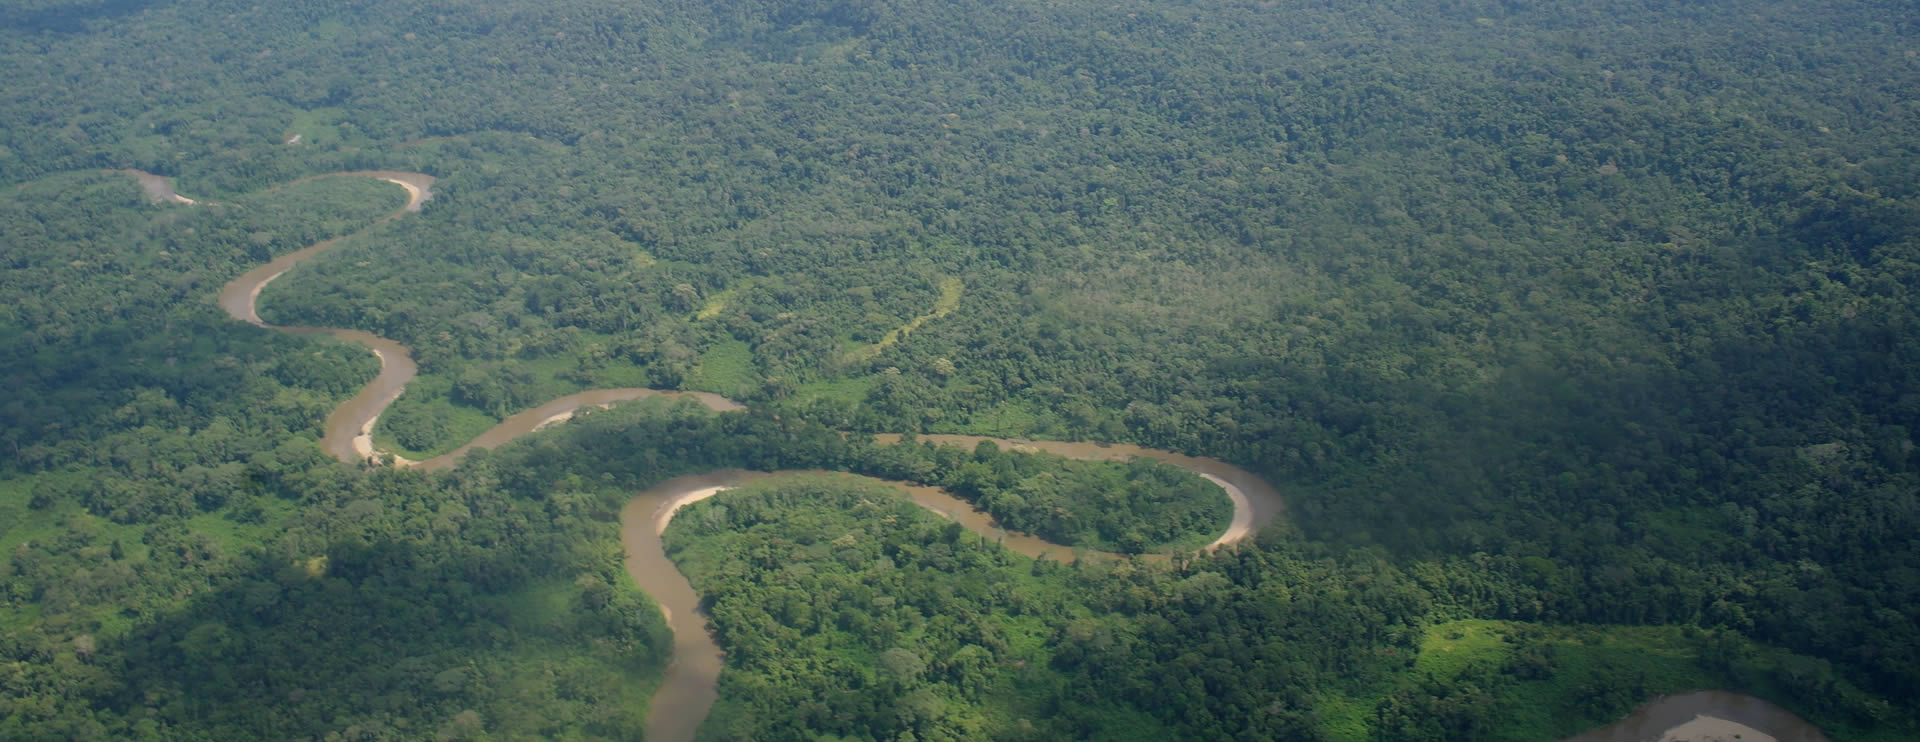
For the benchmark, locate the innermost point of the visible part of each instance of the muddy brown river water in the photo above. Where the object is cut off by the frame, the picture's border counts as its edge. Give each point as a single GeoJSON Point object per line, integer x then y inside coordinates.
{"type": "Point", "coordinates": [1706, 715]}
{"type": "Point", "coordinates": [688, 691]}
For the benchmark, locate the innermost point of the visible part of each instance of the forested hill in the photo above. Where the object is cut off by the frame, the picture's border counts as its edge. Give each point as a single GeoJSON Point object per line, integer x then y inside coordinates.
{"type": "Point", "coordinates": [1555, 313]}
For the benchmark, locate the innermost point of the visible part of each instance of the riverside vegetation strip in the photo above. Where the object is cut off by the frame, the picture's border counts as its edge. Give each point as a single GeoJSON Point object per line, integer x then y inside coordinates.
{"type": "Point", "coordinates": [688, 689]}
{"type": "Point", "coordinates": [1558, 313]}
{"type": "Point", "coordinates": [690, 686]}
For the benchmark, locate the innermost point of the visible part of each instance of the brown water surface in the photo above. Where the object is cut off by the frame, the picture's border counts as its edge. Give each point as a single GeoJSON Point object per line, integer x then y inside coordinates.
{"type": "Point", "coordinates": [560, 410]}
{"type": "Point", "coordinates": [690, 686]}
{"type": "Point", "coordinates": [1255, 502]}
{"type": "Point", "coordinates": [689, 689]}
{"type": "Point", "coordinates": [353, 420]}
{"type": "Point", "coordinates": [159, 188]}
{"type": "Point", "coordinates": [1654, 721]}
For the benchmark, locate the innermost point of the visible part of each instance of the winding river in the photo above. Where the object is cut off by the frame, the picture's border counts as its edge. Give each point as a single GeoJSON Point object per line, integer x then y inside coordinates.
{"type": "Point", "coordinates": [690, 687]}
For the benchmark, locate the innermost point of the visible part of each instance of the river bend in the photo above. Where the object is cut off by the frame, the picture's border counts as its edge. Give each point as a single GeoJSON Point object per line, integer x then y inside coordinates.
{"type": "Point", "coordinates": [690, 687]}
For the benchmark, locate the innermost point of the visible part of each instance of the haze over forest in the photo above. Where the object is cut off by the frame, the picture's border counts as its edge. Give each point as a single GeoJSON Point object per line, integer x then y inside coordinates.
{"type": "Point", "coordinates": [1199, 370]}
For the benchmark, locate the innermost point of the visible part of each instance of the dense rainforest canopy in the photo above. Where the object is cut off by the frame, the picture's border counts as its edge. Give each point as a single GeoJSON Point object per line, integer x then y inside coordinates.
{"type": "Point", "coordinates": [1578, 336]}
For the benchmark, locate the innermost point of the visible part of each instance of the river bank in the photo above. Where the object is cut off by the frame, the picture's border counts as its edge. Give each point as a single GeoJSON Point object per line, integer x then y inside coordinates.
{"type": "Point", "coordinates": [690, 687]}
{"type": "Point", "coordinates": [1706, 715]}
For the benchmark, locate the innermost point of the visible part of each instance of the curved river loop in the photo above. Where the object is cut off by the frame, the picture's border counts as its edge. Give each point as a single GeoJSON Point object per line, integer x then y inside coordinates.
{"type": "Point", "coordinates": [690, 687]}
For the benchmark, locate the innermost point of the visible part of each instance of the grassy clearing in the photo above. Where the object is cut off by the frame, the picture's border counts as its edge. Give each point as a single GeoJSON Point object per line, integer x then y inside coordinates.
{"type": "Point", "coordinates": [318, 126]}
{"type": "Point", "coordinates": [20, 523]}
{"type": "Point", "coordinates": [726, 369]}
{"type": "Point", "coordinates": [547, 613]}
{"type": "Point", "coordinates": [621, 375]}
{"type": "Point", "coordinates": [716, 304]}
{"type": "Point", "coordinates": [537, 606]}
{"type": "Point", "coordinates": [1543, 707]}
{"type": "Point", "coordinates": [1009, 419]}
{"type": "Point", "coordinates": [1533, 706]}
{"type": "Point", "coordinates": [71, 527]}
{"type": "Point", "coordinates": [951, 289]}
{"type": "Point", "coordinates": [328, 30]}
{"type": "Point", "coordinates": [234, 536]}
{"type": "Point", "coordinates": [1345, 717]}
{"type": "Point", "coordinates": [845, 390]}
{"type": "Point", "coordinates": [1661, 657]}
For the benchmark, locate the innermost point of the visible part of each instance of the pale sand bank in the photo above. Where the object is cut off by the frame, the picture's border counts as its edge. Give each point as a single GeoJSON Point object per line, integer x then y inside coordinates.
{"type": "Point", "coordinates": [362, 443]}
{"type": "Point", "coordinates": [1242, 524]}
{"type": "Point", "coordinates": [159, 188]}
{"type": "Point", "coordinates": [1705, 716]}
{"type": "Point", "coordinates": [415, 194]}
{"type": "Point", "coordinates": [690, 687]}
{"type": "Point", "coordinates": [1706, 728]}
{"type": "Point", "coordinates": [561, 417]}
{"type": "Point", "coordinates": [664, 515]}
{"type": "Point", "coordinates": [253, 301]}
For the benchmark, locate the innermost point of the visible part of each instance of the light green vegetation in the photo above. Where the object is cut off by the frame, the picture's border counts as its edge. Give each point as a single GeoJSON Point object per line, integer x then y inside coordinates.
{"type": "Point", "coordinates": [1007, 419]}
{"type": "Point", "coordinates": [19, 523]}
{"type": "Point", "coordinates": [109, 553]}
{"type": "Point", "coordinates": [951, 290]}
{"type": "Point", "coordinates": [1549, 681]}
{"type": "Point", "coordinates": [439, 412]}
{"type": "Point", "coordinates": [1556, 313]}
{"type": "Point", "coordinates": [880, 654]}
{"type": "Point", "coordinates": [716, 303]}
{"type": "Point", "coordinates": [323, 127]}
{"type": "Point", "coordinates": [607, 688]}
{"type": "Point", "coordinates": [844, 391]}
{"type": "Point", "coordinates": [170, 530]}
{"type": "Point", "coordinates": [423, 422]}
{"type": "Point", "coordinates": [726, 368]}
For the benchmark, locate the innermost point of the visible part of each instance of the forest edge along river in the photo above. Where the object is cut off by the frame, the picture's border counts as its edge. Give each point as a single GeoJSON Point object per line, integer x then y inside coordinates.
{"type": "Point", "coordinates": [690, 687]}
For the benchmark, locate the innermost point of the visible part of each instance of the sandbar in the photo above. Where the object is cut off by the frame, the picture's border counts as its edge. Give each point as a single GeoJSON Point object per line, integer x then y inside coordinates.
{"type": "Point", "coordinates": [1706, 728]}
{"type": "Point", "coordinates": [1242, 525]}
{"type": "Point", "coordinates": [665, 514]}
